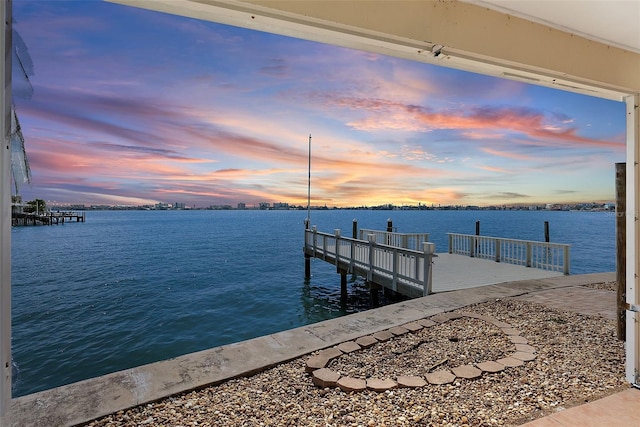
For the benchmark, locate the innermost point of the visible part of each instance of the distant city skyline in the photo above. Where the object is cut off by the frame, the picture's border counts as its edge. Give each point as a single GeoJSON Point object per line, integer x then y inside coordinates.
{"type": "Point", "coordinates": [136, 107]}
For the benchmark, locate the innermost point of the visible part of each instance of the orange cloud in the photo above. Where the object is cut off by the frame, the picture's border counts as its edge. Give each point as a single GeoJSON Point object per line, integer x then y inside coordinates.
{"type": "Point", "coordinates": [506, 154]}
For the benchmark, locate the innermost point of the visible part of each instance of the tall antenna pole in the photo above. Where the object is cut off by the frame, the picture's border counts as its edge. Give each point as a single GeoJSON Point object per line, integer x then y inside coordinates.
{"type": "Point", "coordinates": [309, 187]}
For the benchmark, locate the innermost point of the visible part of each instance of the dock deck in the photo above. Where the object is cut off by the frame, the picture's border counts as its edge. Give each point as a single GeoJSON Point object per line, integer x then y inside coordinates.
{"type": "Point", "coordinates": [452, 272]}
{"type": "Point", "coordinates": [408, 264]}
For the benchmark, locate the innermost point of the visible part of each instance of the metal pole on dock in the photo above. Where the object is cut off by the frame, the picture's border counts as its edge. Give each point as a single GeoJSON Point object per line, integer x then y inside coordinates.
{"type": "Point", "coordinates": [307, 222]}
{"type": "Point", "coordinates": [309, 184]}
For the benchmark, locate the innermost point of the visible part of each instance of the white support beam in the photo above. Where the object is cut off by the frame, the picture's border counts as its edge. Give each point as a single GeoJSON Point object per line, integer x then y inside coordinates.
{"type": "Point", "coordinates": [5, 219]}
{"type": "Point", "coordinates": [633, 239]}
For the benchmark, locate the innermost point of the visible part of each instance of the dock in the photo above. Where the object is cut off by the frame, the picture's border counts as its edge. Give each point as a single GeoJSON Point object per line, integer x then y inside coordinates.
{"type": "Point", "coordinates": [47, 218]}
{"type": "Point", "coordinates": [408, 264]}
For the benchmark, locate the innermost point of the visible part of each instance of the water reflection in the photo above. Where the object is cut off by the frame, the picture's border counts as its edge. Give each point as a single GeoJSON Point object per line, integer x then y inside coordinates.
{"type": "Point", "coordinates": [322, 298]}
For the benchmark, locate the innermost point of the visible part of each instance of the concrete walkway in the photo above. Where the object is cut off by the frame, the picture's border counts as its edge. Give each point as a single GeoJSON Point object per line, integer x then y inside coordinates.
{"type": "Point", "coordinates": [618, 410]}
{"type": "Point", "coordinates": [86, 400]}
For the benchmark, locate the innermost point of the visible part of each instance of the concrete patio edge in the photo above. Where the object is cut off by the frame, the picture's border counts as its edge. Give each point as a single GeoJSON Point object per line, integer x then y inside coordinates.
{"type": "Point", "coordinates": [84, 401]}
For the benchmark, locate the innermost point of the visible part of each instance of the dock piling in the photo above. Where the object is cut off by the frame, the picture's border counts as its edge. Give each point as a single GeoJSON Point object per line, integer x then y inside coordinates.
{"type": "Point", "coordinates": [546, 231]}
{"type": "Point", "coordinates": [343, 284]}
{"type": "Point", "coordinates": [307, 257]}
{"type": "Point", "coordinates": [373, 291]}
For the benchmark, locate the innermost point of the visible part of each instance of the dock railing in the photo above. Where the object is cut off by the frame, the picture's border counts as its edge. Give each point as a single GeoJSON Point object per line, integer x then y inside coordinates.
{"type": "Point", "coordinates": [401, 240]}
{"type": "Point", "coordinates": [389, 266]}
{"type": "Point", "coordinates": [542, 255]}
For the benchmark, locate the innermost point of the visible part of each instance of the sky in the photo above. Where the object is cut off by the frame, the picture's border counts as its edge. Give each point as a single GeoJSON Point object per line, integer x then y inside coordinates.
{"type": "Point", "coordinates": [133, 107]}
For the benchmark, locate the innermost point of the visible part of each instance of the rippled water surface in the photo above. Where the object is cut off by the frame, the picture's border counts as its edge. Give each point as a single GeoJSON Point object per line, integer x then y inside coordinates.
{"type": "Point", "coordinates": [133, 287]}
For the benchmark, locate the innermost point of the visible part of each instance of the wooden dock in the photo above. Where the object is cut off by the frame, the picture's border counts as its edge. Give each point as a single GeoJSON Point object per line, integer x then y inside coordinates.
{"type": "Point", "coordinates": [408, 263]}
{"type": "Point", "coordinates": [47, 218]}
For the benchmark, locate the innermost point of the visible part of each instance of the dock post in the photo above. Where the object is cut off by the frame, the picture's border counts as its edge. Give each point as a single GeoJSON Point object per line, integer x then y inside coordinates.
{"type": "Point", "coordinates": [343, 284]}
{"type": "Point", "coordinates": [389, 231]}
{"type": "Point", "coordinates": [337, 236]}
{"type": "Point", "coordinates": [429, 249]}
{"type": "Point", "coordinates": [546, 232]}
{"type": "Point", "coordinates": [547, 254]}
{"type": "Point", "coordinates": [475, 240]}
{"type": "Point", "coordinates": [354, 234]}
{"type": "Point", "coordinates": [373, 290]}
{"type": "Point", "coordinates": [307, 257]}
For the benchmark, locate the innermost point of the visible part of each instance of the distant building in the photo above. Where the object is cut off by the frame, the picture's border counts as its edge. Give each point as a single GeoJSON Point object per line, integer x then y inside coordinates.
{"type": "Point", "coordinates": [178, 205]}
{"type": "Point", "coordinates": [242, 206]}
{"type": "Point", "coordinates": [264, 205]}
{"type": "Point", "coordinates": [281, 206]}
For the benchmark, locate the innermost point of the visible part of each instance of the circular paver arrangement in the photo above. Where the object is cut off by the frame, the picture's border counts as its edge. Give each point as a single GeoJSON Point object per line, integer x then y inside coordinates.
{"type": "Point", "coordinates": [325, 377]}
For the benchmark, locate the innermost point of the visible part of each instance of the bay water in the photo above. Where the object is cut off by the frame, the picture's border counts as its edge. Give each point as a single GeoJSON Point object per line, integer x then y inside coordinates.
{"type": "Point", "coordinates": [127, 288]}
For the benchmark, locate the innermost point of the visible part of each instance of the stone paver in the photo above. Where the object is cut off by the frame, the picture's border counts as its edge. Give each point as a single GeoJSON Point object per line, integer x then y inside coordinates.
{"type": "Point", "coordinates": [525, 348]}
{"type": "Point", "coordinates": [413, 326]}
{"type": "Point", "coordinates": [510, 362]}
{"type": "Point", "coordinates": [525, 357]}
{"type": "Point", "coordinates": [517, 339]}
{"type": "Point", "coordinates": [322, 359]}
{"type": "Point", "coordinates": [316, 362]}
{"type": "Point", "coordinates": [348, 347]}
{"type": "Point", "coordinates": [383, 336]}
{"type": "Point", "coordinates": [469, 372]}
{"type": "Point", "coordinates": [398, 330]}
{"type": "Point", "coordinates": [366, 341]}
{"type": "Point", "coordinates": [490, 366]}
{"type": "Point", "coordinates": [440, 318]}
{"type": "Point", "coordinates": [377, 384]}
{"type": "Point", "coordinates": [325, 377]}
{"type": "Point", "coordinates": [411, 381]}
{"type": "Point", "coordinates": [348, 384]}
{"type": "Point", "coordinates": [427, 323]}
{"type": "Point", "coordinates": [330, 353]}
{"type": "Point", "coordinates": [440, 377]}
{"type": "Point", "coordinates": [510, 331]}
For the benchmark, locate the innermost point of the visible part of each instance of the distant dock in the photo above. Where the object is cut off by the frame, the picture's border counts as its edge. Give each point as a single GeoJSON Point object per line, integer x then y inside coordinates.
{"type": "Point", "coordinates": [408, 264]}
{"type": "Point", "coordinates": [47, 218]}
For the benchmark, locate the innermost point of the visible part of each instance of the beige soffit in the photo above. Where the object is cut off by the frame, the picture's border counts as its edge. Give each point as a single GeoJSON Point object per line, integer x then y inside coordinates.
{"type": "Point", "coordinates": [611, 22]}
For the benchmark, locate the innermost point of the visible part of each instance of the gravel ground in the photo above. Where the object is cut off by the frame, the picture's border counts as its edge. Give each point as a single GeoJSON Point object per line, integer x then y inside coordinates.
{"type": "Point", "coordinates": [606, 286]}
{"type": "Point", "coordinates": [578, 359]}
